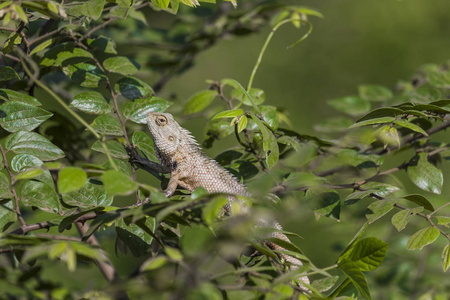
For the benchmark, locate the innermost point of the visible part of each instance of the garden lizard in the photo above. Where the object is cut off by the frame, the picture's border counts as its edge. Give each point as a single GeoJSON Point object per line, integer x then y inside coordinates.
{"type": "Point", "coordinates": [180, 155]}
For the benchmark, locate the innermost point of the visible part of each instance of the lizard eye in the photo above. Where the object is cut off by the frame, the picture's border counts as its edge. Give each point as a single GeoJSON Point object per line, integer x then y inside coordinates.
{"type": "Point", "coordinates": [161, 120]}
{"type": "Point", "coordinates": [171, 138]}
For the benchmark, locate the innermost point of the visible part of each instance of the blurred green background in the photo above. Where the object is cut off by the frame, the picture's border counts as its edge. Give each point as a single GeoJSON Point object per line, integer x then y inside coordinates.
{"type": "Point", "coordinates": [357, 42]}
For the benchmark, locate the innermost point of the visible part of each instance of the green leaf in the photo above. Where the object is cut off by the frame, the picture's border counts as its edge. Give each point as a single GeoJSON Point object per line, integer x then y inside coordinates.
{"type": "Point", "coordinates": [28, 174]}
{"type": "Point", "coordinates": [7, 213]}
{"type": "Point", "coordinates": [11, 95]}
{"type": "Point", "coordinates": [216, 130]}
{"type": "Point", "coordinates": [92, 194]}
{"type": "Point", "coordinates": [356, 276]}
{"type": "Point", "coordinates": [103, 43]}
{"type": "Point", "coordinates": [24, 142]}
{"type": "Point", "coordinates": [107, 125]}
{"type": "Point", "coordinates": [173, 253]}
{"type": "Point", "coordinates": [446, 258]}
{"type": "Point", "coordinates": [325, 284]}
{"type": "Point", "coordinates": [71, 179]}
{"type": "Point", "coordinates": [420, 200]}
{"type": "Point", "coordinates": [91, 103]}
{"type": "Point", "coordinates": [14, 39]}
{"type": "Point", "coordinates": [19, 11]}
{"type": "Point", "coordinates": [424, 95]}
{"type": "Point", "coordinates": [437, 77]}
{"type": "Point", "coordinates": [8, 73]}
{"type": "Point", "coordinates": [22, 162]}
{"type": "Point", "coordinates": [228, 114]}
{"type": "Point", "coordinates": [382, 120]}
{"type": "Point", "coordinates": [270, 116]}
{"type": "Point", "coordinates": [135, 238]}
{"type": "Point", "coordinates": [199, 101]}
{"type": "Point", "coordinates": [443, 220]}
{"type": "Point", "coordinates": [352, 105]}
{"type": "Point", "coordinates": [153, 263]}
{"type": "Point", "coordinates": [381, 113]}
{"type": "Point", "coordinates": [354, 158]}
{"type": "Point", "coordinates": [259, 96]}
{"type": "Point", "coordinates": [40, 195]}
{"type": "Point", "coordinates": [86, 75]}
{"type": "Point", "coordinates": [422, 238]}
{"type": "Point", "coordinates": [133, 88]}
{"type": "Point", "coordinates": [93, 8]}
{"type": "Point", "coordinates": [401, 219]}
{"type": "Point", "coordinates": [411, 126]}
{"type": "Point", "coordinates": [425, 175]}
{"type": "Point", "coordinates": [114, 147]}
{"type": "Point", "coordinates": [270, 145]}
{"type": "Point", "coordinates": [235, 84]}
{"type": "Point", "coordinates": [242, 123]}
{"type": "Point", "coordinates": [214, 209]}
{"type": "Point", "coordinates": [144, 143]}
{"type": "Point", "coordinates": [117, 183]}
{"type": "Point", "coordinates": [5, 187]}
{"type": "Point", "coordinates": [121, 65]}
{"type": "Point", "coordinates": [380, 189]}
{"type": "Point", "coordinates": [374, 92]}
{"type": "Point", "coordinates": [327, 200]}
{"type": "Point", "coordinates": [163, 4]}
{"type": "Point", "coordinates": [303, 179]}
{"type": "Point", "coordinates": [42, 46]}
{"type": "Point", "coordinates": [64, 54]}
{"type": "Point", "coordinates": [388, 135]}
{"type": "Point", "coordinates": [138, 109]}
{"type": "Point", "coordinates": [367, 254]}
{"type": "Point", "coordinates": [378, 209]}
{"type": "Point", "coordinates": [16, 116]}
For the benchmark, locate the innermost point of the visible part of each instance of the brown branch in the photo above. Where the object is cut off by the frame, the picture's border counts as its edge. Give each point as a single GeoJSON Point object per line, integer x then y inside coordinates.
{"type": "Point", "coordinates": [105, 266]}
{"type": "Point", "coordinates": [428, 218]}
{"type": "Point", "coordinates": [44, 36]}
{"type": "Point", "coordinates": [11, 57]}
{"type": "Point", "coordinates": [403, 143]}
{"type": "Point", "coordinates": [46, 225]}
{"type": "Point", "coordinates": [100, 26]}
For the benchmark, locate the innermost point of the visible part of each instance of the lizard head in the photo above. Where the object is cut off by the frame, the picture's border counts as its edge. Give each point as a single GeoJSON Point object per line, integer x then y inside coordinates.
{"type": "Point", "coordinates": [166, 132]}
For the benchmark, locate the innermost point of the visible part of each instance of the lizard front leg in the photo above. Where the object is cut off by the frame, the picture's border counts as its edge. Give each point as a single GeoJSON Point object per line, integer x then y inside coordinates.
{"type": "Point", "coordinates": [172, 185]}
{"type": "Point", "coordinates": [147, 164]}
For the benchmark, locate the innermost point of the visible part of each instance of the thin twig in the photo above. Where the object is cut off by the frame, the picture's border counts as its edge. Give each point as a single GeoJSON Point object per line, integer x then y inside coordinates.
{"type": "Point", "coordinates": [12, 188]}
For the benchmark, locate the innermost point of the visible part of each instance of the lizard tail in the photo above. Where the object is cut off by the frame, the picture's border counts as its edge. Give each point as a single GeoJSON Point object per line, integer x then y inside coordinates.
{"type": "Point", "coordinates": [294, 263]}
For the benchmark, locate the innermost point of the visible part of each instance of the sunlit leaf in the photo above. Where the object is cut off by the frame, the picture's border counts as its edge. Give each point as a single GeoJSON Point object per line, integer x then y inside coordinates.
{"type": "Point", "coordinates": [117, 183]}
{"type": "Point", "coordinates": [133, 88]}
{"type": "Point", "coordinates": [40, 195]}
{"type": "Point", "coordinates": [11, 95]}
{"type": "Point", "coordinates": [16, 116]}
{"type": "Point", "coordinates": [71, 179]}
{"type": "Point", "coordinates": [137, 110]}
{"type": "Point", "coordinates": [91, 103]}
{"type": "Point", "coordinates": [120, 64]}
{"type": "Point", "coordinates": [422, 238]}
{"type": "Point", "coordinates": [199, 101]}
{"type": "Point", "coordinates": [25, 142]}
{"type": "Point", "coordinates": [107, 125]}
{"type": "Point", "coordinates": [425, 175]}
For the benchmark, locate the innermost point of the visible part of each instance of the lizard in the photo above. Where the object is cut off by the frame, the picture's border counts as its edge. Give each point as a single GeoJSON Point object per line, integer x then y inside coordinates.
{"type": "Point", "coordinates": [180, 155]}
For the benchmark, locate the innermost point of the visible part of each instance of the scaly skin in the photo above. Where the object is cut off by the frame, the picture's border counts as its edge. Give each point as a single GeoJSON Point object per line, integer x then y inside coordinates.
{"type": "Point", "coordinates": [180, 155]}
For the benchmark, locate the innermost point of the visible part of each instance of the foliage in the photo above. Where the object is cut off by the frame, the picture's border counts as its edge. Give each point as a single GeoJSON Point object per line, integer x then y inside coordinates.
{"type": "Point", "coordinates": [73, 107]}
